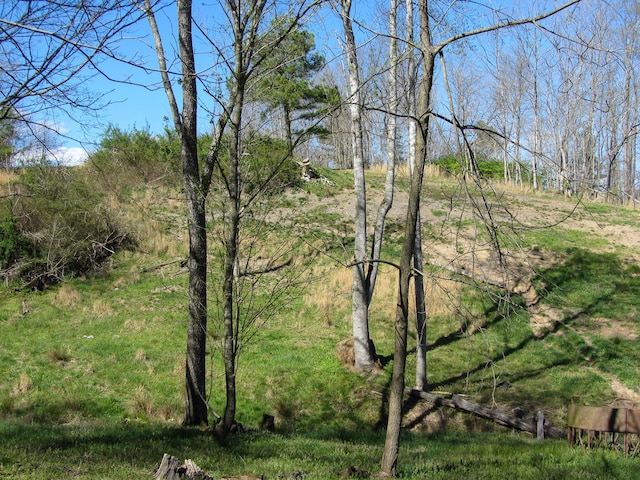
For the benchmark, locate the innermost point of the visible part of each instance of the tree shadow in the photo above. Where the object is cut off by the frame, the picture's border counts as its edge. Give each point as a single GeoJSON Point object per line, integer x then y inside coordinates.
{"type": "Point", "coordinates": [585, 284]}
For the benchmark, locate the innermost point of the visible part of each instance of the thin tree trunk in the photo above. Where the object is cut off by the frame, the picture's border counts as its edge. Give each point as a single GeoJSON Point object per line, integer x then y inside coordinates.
{"type": "Point", "coordinates": [421, 310]}
{"type": "Point", "coordinates": [363, 352]}
{"type": "Point", "coordinates": [536, 132]}
{"type": "Point", "coordinates": [185, 123]}
{"type": "Point", "coordinates": [394, 423]}
{"type": "Point", "coordinates": [195, 404]}
{"type": "Point", "coordinates": [420, 303]}
{"type": "Point", "coordinates": [629, 180]}
{"type": "Point", "coordinates": [229, 345]}
{"type": "Point", "coordinates": [387, 201]}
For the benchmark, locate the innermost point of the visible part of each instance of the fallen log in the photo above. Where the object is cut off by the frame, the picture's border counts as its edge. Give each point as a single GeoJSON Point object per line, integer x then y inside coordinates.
{"type": "Point", "coordinates": [458, 403]}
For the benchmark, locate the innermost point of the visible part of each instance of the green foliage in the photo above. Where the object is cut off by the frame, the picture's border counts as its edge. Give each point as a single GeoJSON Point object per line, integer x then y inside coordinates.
{"type": "Point", "coordinates": [64, 222]}
{"type": "Point", "coordinates": [453, 165]}
{"type": "Point", "coordinates": [95, 371]}
{"type": "Point", "coordinates": [128, 159]}
{"type": "Point", "coordinates": [7, 136]}
{"type": "Point", "coordinates": [270, 164]}
{"type": "Point", "coordinates": [284, 79]}
{"type": "Point", "coordinates": [266, 165]}
{"type": "Point", "coordinates": [13, 244]}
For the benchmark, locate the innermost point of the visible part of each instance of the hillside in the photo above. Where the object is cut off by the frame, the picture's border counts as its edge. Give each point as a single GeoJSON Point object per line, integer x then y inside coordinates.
{"type": "Point", "coordinates": [543, 236]}
{"type": "Point", "coordinates": [550, 321]}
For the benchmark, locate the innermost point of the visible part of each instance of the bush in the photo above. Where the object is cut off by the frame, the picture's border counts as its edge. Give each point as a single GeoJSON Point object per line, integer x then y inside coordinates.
{"type": "Point", "coordinates": [59, 228]}
{"type": "Point", "coordinates": [488, 168]}
{"type": "Point", "coordinates": [129, 159]}
{"type": "Point", "coordinates": [13, 244]}
{"type": "Point", "coordinates": [268, 157]}
{"type": "Point", "coordinates": [265, 164]}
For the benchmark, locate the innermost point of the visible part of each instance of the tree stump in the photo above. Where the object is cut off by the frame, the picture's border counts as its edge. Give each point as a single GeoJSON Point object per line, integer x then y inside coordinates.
{"type": "Point", "coordinates": [268, 423]}
{"type": "Point", "coordinates": [171, 469]}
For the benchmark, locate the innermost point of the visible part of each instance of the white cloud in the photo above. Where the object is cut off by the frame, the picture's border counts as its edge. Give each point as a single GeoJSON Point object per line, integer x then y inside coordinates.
{"type": "Point", "coordinates": [70, 156]}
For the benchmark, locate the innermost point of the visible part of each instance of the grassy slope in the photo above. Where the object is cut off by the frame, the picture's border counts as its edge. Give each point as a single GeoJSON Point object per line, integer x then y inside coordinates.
{"type": "Point", "coordinates": [92, 376]}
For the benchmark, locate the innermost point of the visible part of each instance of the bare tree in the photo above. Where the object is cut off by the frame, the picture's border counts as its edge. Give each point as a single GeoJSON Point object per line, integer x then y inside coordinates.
{"type": "Point", "coordinates": [429, 51]}
{"type": "Point", "coordinates": [249, 22]}
{"type": "Point", "coordinates": [196, 182]}
{"type": "Point", "coordinates": [50, 51]}
{"type": "Point", "coordinates": [362, 345]}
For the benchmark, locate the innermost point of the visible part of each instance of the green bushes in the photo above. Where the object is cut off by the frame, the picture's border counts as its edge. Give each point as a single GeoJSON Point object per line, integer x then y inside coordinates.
{"type": "Point", "coordinates": [488, 168]}
{"type": "Point", "coordinates": [62, 222]}
{"type": "Point", "coordinates": [265, 165]}
{"type": "Point", "coordinates": [59, 226]}
{"type": "Point", "coordinates": [270, 166]}
{"type": "Point", "coordinates": [128, 159]}
{"type": "Point", "coordinates": [13, 245]}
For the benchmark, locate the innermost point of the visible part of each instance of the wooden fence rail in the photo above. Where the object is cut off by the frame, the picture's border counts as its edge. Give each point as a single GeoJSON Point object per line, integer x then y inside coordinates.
{"type": "Point", "coordinates": [613, 427]}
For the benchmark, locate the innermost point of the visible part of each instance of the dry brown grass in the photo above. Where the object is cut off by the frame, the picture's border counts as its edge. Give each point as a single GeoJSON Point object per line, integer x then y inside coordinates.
{"type": "Point", "coordinates": [402, 171]}
{"type": "Point", "coordinates": [332, 294]}
{"type": "Point", "coordinates": [160, 233]}
{"type": "Point", "coordinates": [67, 297]}
{"type": "Point", "coordinates": [60, 355]}
{"type": "Point", "coordinates": [100, 308]}
{"type": "Point", "coordinates": [141, 355]}
{"type": "Point", "coordinates": [142, 402]}
{"type": "Point", "coordinates": [6, 177]}
{"type": "Point", "coordinates": [23, 385]}
{"type": "Point", "coordinates": [135, 325]}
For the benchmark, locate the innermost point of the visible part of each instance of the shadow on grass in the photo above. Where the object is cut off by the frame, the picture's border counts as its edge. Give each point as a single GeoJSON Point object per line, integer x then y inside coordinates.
{"type": "Point", "coordinates": [598, 284]}
{"type": "Point", "coordinates": [91, 449]}
{"type": "Point", "coordinates": [115, 450]}
{"type": "Point", "coordinates": [586, 285]}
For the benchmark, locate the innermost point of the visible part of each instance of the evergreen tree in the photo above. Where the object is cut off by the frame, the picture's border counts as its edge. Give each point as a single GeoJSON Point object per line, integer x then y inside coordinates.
{"type": "Point", "coordinates": [285, 80]}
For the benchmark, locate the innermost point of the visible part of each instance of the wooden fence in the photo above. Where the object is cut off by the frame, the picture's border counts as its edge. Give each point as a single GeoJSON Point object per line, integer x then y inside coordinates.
{"type": "Point", "coordinates": [610, 427]}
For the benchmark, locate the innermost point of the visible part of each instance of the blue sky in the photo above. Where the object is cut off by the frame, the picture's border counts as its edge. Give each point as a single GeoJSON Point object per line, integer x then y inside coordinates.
{"type": "Point", "coordinates": [133, 106]}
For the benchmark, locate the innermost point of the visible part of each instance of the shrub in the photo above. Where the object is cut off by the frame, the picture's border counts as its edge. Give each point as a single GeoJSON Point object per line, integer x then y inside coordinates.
{"type": "Point", "coordinates": [265, 164]}
{"type": "Point", "coordinates": [129, 159]}
{"type": "Point", "coordinates": [59, 228]}
{"type": "Point", "coordinates": [268, 157]}
{"type": "Point", "coordinates": [13, 244]}
{"type": "Point", "coordinates": [488, 168]}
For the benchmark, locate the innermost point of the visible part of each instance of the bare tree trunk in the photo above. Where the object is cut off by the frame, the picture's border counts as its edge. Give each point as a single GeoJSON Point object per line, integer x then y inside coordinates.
{"type": "Point", "coordinates": [230, 265]}
{"type": "Point", "coordinates": [536, 132]}
{"type": "Point", "coordinates": [185, 123]}
{"type": "Point", "coordinates": [420, 303]}
{"type": "Point", "coordinates": [394, 423]}
{"type": "Point", "coordinates": [363, 351]}
{"type": "Point", "coordinates": [630, 138]}
{"type": "Point", "coordinates": [245, 34]}
{"type": "Point", "coordinates": [429, 52]}
{"type": "Point", "coordinates": [196, 405]}
{"type": "Point", "coordinates": [387, 201]}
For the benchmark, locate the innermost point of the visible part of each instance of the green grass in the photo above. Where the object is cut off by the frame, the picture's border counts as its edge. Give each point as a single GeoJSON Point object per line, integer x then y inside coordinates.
{"type": "Point", "coordinates": [92, 376]}
{"type": "Point", "coordinates": [134, 450]}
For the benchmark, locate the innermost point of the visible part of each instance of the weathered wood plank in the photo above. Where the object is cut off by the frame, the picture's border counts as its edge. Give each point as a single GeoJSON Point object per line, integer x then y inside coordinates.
{"type": "Point", "coordinates": [604, 419]}
{"type": "Point", "coordinates": [502, 418]}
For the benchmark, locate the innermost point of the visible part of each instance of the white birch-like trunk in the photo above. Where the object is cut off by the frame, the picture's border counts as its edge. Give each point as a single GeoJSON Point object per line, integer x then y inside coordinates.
{"type": "Point", "coordinates": [387, 200]}
{"type": "Point", "coordinates": [363, 352]}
